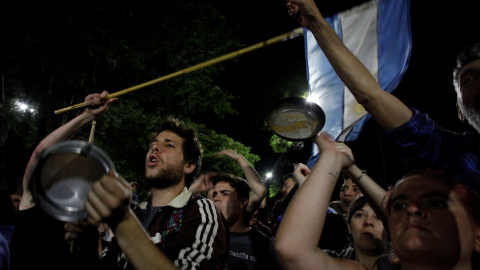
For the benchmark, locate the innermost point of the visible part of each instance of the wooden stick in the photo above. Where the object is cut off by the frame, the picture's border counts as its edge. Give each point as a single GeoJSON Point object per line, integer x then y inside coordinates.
{"type": "Point", "coordinates": [289, 35]}
{"type": "Point", "coordinates": [92, 132]}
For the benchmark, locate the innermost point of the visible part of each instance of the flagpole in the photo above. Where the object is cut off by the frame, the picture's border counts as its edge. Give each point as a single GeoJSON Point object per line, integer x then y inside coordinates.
{"type": "Point", "coordinates": [286, 36]}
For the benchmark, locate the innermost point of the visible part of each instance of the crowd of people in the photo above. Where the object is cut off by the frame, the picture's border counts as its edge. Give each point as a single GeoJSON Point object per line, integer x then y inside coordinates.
{"type": "Point", "coordinates": [216, 220]}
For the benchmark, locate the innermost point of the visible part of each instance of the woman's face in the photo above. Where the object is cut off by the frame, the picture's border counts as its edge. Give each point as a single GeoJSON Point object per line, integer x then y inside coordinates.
{"type": "Point", "coordinates": [427, 220]}
{"type": "Point", "coordinates": [367, 231]}
{"type": "Point", "coordinates": [349, 193]}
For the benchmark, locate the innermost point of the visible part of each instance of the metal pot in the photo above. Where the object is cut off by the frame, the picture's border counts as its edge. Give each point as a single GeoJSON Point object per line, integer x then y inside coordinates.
{"type": "Point", "coordinates": [63, 176]}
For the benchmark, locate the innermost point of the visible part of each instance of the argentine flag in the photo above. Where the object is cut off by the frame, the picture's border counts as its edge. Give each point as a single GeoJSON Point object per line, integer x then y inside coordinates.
{"type": "Point", "coordinates": [378, 33]}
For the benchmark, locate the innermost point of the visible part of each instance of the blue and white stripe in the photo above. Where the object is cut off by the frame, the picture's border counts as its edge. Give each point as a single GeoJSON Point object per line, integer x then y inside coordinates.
{"type": "Point", "coordinates": [378, 34]}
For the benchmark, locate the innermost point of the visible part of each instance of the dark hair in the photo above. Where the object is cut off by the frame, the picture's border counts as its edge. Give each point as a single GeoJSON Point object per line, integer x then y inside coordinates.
{"type": "Point", "coordinates": [192, 149]}
{"type": "Point", "coordinates": [356, 205]}
{"type": "Point", "coordinates": [345, 177]}
{"type": "Point", "coordinates": [240, 185]}
{"type": "Point", "coordinates": [464, 57]}
{"type": "Point", "coordinates": [286, 176]}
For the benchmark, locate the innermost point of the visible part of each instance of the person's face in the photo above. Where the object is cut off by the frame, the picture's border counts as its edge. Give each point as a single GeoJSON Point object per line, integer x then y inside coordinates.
{"type": "Point", "coordinates": [367, 231]}
{"type": "Point", "coordinates": [468, 95]}
{"type": "Point", "coordinates": [287, 186]}
{"type": "Point", "coordinates": [427, 219]}
{"type": "Point", "coordinates": [164, 160]}
{"type": "Point", "coordinates": [227, 200]}
{"type": "Point", "coordinates": [348, 194]}
{"type": "Point", "coordinates": [16, 200]}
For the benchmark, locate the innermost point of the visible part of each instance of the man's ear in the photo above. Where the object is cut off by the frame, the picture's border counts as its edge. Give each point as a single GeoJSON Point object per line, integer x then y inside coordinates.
{"type": "Point", "coordinates": [244, 203]}
{"type": "Point", "coordinates": [188, 168]}
{"type": "Point", "coordinates": [460, 114]}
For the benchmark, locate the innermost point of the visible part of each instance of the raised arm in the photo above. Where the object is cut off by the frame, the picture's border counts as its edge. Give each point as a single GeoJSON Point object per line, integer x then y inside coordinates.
{"type": "Point", "coordinates": [300, 173]}
{"type": "Point", "coordinates": [299, 233]}
{"type": "Point", "coordinates": [97, 106]}
{"type": "Point", "coordinates": [252, 177]}
{"type": "Point", "coordinates": [374, 193]}
{"type": "Point", "coordinates": [386, 109]}
{"type": "Point", "coordinates": [202, 184]}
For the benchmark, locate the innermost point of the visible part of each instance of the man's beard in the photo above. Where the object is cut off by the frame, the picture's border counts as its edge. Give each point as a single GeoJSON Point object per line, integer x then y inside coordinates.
{"type": "Point", "coordinates": [165, 177]}
{"type": "Point", "coordinates": [472, 116]}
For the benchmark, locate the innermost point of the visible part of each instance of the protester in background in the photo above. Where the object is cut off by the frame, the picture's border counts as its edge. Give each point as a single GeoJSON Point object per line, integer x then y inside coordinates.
{"type": "Point", "coordinates": [368, 237]}
{"type": "Point", "coordinates": [335, 231]}
{"type": "Point", "coordinates": [203, 183]}
{"type": "Point", "coordinates": [349, 193]}
{"type": "Point", "coordinates": [16, 199]}
{"type": "Point", "coordinates": [288, 184]}
{"type": "Point", "coordinates": [249, 248]}
{"type": "Point", "coordinates": [259, 219]}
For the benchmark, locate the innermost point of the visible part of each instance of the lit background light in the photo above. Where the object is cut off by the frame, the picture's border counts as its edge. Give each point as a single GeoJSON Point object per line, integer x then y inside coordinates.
{"type": "Point", "coordinates": [23, 107]}
{"type": "Point", "coordinates": [268, 175]}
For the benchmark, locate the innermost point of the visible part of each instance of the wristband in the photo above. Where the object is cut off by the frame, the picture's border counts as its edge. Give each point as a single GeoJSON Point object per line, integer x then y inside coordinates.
{"type": "Point", "coordinates": [360, 177]}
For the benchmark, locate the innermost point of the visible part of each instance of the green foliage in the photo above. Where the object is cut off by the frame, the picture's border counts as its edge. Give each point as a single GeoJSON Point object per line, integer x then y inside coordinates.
{"type": "Point", "coordinates": [87, 46]}
{"type": "Point", "coordinates": [213, 143]}
{"type": "Point", "coordinates": [280, 145]}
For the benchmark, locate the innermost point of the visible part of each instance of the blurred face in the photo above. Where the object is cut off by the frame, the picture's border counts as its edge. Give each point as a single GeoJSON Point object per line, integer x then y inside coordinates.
{"type": "Point", "coordinates": [16, 200]}
{"type": "Point", "coordinates": [287, 186]}
{"type": "Point", "coordinates": [227, 200]}
{"type": "Point", "coordinates": [427, 220]}
{"type": "Point", "coordinates": [348, 194]}
{"type": "Point", "coordinates": [469, 93]}
{"type": "Point", "coordinates": [164, 164]}
{"type": "Point", "coordinates": [367, 231]}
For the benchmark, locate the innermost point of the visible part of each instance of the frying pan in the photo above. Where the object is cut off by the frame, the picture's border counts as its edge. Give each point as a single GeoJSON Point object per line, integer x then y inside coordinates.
{"type": "Point", "coordinates": [295, 118]}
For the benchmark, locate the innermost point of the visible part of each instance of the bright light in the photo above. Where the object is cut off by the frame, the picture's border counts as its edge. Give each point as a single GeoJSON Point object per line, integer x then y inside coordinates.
{"type": "Point", "coordinates": [269, 175]}
{"type": "Point", "coordinates": [22, 106]}
{"type": "Point", "coordinates": [312, 98]}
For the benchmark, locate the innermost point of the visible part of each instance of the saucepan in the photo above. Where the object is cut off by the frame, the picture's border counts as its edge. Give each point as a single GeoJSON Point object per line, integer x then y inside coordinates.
{"type": "Point", "coordinates": [295, 118]}
{"type": "Point", "coordinates": [63, 176]}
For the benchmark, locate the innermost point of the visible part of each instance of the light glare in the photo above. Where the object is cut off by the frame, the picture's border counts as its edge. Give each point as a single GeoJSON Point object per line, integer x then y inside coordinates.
{"type": "Point", "coordinates": [22, 106]}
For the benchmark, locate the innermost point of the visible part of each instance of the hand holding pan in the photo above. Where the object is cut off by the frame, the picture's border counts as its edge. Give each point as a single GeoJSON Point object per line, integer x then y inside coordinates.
{"type": "Point", "coordinates": [295, 118]}
{"type": "Point", "coordinates": [64, 174]}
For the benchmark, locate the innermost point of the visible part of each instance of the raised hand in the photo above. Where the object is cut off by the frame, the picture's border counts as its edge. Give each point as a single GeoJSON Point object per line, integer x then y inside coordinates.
{"type": "Point", "coordinates": [98, 103]}
{"type": "Point", "coordinates": [203, 183]}
{"type": "Point", "coordinates": [300, 173]}
{"type": "Point", "coordinates": [343, 153]}
{"type": "Point", "coordinates": [304, 11]}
